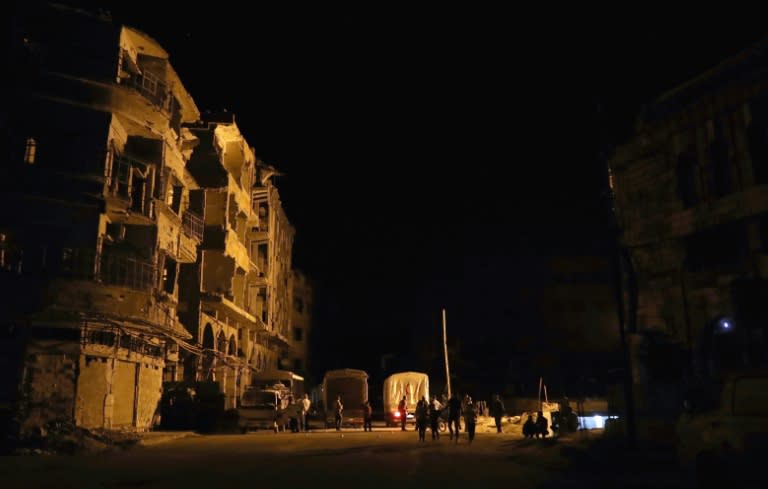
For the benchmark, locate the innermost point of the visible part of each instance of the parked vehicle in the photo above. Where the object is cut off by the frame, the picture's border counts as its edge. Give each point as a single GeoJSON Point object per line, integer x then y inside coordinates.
{"type": "Point", "coordinates": [352, 386]}
{"type": "Point", "coordinates": [261, 409]}
{"type": "Point", "coordinates": [412, 385]}
{"type": "Point", "coordinates": [724, 445]}
{"type": "Point", "coordinates": [285, 381]}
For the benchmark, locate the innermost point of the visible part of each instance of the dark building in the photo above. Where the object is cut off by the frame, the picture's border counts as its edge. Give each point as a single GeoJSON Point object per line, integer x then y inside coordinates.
{"type": "Point", "coordinates": [691, 196]}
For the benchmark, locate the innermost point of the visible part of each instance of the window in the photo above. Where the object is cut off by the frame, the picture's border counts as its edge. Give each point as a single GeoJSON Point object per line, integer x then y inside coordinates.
{"type": "Point", "coordinates": [298, 364]}
{"type": "Point", "coordinates": [29, 151]}
{"type": "Point", "coordinates": [298, 334]}
{"type": "Point", "coordinates": [721, 176]}
{"type": "Point", "coordinates": [298, 305]}
{"type": "Point", "coordinates": [685, 171]}
{"type": "Point", "coordinates": [169, 275]}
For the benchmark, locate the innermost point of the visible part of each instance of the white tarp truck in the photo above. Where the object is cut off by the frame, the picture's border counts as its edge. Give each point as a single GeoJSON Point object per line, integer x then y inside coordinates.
{"type": "Point", "coordinates": [412, 385]}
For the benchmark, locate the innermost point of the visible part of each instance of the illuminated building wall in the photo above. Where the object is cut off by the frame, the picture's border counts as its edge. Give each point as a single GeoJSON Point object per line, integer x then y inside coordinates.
{"type": "Point", "coordinates": [301, 321]}
{"type": "Point", "coordinates": [95, 220]}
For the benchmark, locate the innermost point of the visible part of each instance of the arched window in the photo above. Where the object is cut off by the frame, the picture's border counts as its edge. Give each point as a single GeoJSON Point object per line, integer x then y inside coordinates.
{"type": "Point", "coordinates": [208, 337]}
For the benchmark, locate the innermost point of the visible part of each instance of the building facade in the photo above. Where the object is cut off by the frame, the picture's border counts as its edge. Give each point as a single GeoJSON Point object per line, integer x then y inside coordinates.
{"type": "Point", "coordinates": [232, 293]}
{"type": "Point", "coordinates": [691, 196]}
{"type": "Point", "coordinates": [95, 220]}
{"type": "Point", "coordinates": [301, 321]}
{"type": "Point", "coordinates": [140, 246]}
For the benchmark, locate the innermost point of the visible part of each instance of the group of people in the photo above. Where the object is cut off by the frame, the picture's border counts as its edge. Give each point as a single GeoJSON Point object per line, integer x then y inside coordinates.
{"type": "Point", "coordinates": [429, 413]}
{"type": "Point", "coordinates": [537, 428]}
{"type": "Point", "coordinates": [299, 422]}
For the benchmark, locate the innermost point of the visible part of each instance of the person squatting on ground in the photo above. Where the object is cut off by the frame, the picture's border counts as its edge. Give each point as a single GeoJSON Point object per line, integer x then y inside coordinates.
{"type": "Point", "coordinates": [402, 408]}
{"type": "Point", "coordinates": [422, 414]}
{"type": "Point", "coordinates": [470, 418]}
{"type": "Point", "coordinates": [367, 416]}
{"type": "Point", "coordinates": [338, 408]}
{"type": "Point", "coordinates": [454, 413]}
{"type": "Point", "coordinates": [435, 410]}
{"type": "Point", "coordinates": [529, 427]}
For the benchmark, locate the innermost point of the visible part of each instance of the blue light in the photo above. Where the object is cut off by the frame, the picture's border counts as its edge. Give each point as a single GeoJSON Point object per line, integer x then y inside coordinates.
{"type": "Point", "coordinates": [725, 324]}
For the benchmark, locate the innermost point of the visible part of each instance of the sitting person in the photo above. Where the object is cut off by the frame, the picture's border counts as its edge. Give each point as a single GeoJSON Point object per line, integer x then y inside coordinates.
{"type": "Point", "coordinates": [529, 428]}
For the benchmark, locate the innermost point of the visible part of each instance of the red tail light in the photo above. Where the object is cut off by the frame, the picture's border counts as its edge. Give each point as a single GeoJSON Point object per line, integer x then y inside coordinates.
{"type": "Point", "coordinates": [397, 414]}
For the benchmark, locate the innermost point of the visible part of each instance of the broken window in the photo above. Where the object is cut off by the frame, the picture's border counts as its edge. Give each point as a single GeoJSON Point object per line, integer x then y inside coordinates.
{"type": "Point", "coordinates": [685, 171]}
{"type": "Point", "coordinates": [720, 249]}
{"type": "Point", "coordinates": [138, 189]}
{"type": "Point", "coordinates": [30, 151]}
{"type": "Point", "coordinates": [721, 176]}
{"type": "Point", "coordinates": [174, 197]}
{"type": "Point", "coordinates": [757, 136]}
{"type": "Point", "coordinates": [169, 275]}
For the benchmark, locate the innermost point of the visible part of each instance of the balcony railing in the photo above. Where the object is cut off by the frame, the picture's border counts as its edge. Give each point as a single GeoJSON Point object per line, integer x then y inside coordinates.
{"type": "Point", "coordinates": [127, 272]}
{"type": "Point", "coordinates": [109, 268]}
{"type": "Point", "coordinates": [193, 225]}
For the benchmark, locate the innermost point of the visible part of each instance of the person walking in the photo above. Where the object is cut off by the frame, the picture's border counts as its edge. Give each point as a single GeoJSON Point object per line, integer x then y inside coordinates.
{"type": "Point", "coordinates": [498, 412]}
{"type": "Point", "coordinates": [470, 418]}
{"type": "Point", "coordinates": [367, 416]}
{"type": "Point", "coordinates": [338, 408]}
{"type": "Point", "coordinates": [454, 413]}
{"type": "Point", "coordinates": [435, 410]}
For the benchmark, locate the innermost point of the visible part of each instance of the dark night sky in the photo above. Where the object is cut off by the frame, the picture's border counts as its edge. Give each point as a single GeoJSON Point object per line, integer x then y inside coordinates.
{"type": "Point", "coordinates": [432, 158]}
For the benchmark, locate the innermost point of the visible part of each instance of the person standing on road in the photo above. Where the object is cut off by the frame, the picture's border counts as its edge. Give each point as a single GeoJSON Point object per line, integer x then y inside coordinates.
{"type": "Point", "coordinates": [367, 416]}
{"type": "Point", "coordinates": [402, 408]}
{"type": "Point", "coordinates": [454, 413]}
{"type": "Point", "coordinates": [421, 418]}
{"type": "Point", "coordinates": [338, 408]}
{"type": "Point", "coordinates": [435, 410]}
{"type": "Point", "coordinates": [305, 404]}
{"type": "Point", "coordinates": [498, 412]}
{"type": "Point", "coordinates": [541, 425]}
{"type": "Point", "coordinates": [470, 417]}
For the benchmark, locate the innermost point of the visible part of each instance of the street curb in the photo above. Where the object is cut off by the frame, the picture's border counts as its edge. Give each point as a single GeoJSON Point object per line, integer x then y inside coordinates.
{"type": "Point", "coordinates": [157, 440]}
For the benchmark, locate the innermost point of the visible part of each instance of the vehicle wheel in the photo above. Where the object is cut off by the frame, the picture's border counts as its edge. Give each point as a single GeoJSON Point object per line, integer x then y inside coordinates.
{"type": "Point", "coordinates": [442, 427]}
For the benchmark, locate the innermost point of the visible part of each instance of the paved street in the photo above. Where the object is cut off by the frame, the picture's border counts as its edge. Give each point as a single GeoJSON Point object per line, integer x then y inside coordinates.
{"type": "Point", "coordinates": [384, 458]}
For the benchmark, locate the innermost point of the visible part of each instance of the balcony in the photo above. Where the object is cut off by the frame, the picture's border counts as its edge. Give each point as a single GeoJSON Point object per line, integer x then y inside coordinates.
{"type": "Point", "coordinates": [151, 88]}
{"type": "Point", "coordinates": [109, 269]}
{"type": "Point", "coordinates": [193, 225]}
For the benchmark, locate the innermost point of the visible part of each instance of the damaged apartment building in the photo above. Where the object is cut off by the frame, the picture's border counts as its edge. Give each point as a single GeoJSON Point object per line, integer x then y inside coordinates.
{"type": "Point", "coordinates": [120, 270]}
{"type": "Point", "coordinates": [235, 296]}
{"type": "Point", "coordinates": [691, 194]}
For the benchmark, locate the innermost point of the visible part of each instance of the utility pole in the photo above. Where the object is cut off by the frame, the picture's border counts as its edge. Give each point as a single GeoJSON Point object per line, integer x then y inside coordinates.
{"type": "Point", "coordinates": [445, 350]}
